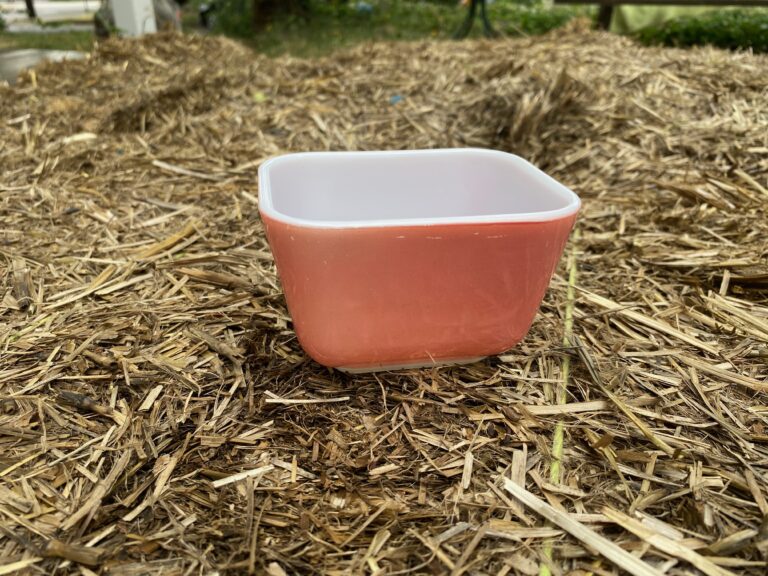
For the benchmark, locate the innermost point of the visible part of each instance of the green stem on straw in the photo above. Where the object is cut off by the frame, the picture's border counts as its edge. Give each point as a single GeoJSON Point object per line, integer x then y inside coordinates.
{"type": "Point", "coordinates": [561, 396]}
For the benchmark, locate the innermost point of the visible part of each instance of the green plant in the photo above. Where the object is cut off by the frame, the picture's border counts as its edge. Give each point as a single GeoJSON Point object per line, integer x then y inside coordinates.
{"type": "Point", "coordinates": [732, 29]}
{"type": "Point", "coordinates": [234, 17]}
{"type": "Point", "coordinates": [321, 26]}
{"type": "Point", "coordinates": [244, 17]}
{"type": "Point", "coordinates": [75, 40]}
{"type": "Point", "coordinates": [533, 19]}
{"type": "Point", "coordinates": [2, 23]}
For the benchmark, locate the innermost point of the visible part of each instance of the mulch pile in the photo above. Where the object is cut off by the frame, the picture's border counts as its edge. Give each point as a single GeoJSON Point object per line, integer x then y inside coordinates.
{"type": "Point", "coordinates": [158, 416]}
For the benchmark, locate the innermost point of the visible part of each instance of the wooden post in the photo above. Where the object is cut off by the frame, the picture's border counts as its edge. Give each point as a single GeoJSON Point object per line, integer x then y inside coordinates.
{"type": "Point", "coordinates": [30, 8]}
{"type": "Point", "coordinates": [604, 17]}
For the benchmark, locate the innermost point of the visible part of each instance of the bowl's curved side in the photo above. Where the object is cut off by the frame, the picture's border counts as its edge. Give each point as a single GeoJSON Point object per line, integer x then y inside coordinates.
{"type": "Point", "coordinates": [384, 296]}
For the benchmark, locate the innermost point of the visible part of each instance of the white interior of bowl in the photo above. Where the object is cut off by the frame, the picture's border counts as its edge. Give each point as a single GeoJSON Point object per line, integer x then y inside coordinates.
{"type": "Point", "coordinates": [409, 188]}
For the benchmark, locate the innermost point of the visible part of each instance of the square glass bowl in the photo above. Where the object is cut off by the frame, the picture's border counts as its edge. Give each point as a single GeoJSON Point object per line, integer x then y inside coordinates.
{"type": "Point", "coordinates": [412, 258]}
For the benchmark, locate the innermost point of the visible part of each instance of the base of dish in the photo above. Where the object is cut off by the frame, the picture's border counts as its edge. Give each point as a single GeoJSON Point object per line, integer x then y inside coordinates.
{"type": "Point", "coordinates": [427, 363]}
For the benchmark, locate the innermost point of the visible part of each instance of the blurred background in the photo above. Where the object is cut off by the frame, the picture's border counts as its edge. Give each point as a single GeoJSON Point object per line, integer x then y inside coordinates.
{"type": "Point", "coordinates": [317, 27]}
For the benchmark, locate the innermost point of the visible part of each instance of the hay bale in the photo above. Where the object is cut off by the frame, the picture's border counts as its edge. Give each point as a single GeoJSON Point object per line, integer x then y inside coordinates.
{"type": "Point", "coordinates": [154, 403]}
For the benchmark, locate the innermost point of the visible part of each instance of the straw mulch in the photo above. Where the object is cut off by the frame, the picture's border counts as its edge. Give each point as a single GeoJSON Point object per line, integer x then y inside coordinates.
{"type": "Point", "coordinates": [158, 416]}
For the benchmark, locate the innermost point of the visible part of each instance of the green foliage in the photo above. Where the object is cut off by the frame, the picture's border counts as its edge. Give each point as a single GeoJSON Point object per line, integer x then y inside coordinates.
{"type": "Point", "coordinates": [2, 23]}
{"type": "Point", "coordinates": [82, 41]}
{"type": "Point", "coordinates": [235, 17]}
{"type": "Point", "coordinates": [453, 3]}
{"type": "Point", "coordinates": [244, 17]}
{"type": "Point", "coordinates": [518, 19]}
{"type": "Point", "coordinates": [732, 29]}
{"type": "Point", "coordinates": [329, 24]}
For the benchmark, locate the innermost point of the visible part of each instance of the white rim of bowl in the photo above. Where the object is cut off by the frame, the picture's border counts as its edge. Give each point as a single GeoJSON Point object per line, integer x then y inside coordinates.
{"type": "Point", "coordinates": [266, 207]}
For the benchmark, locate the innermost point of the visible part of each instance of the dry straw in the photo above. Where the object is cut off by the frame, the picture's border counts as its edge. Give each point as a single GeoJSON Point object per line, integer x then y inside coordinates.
{"type": "Point", "coordinates": [156, 408]}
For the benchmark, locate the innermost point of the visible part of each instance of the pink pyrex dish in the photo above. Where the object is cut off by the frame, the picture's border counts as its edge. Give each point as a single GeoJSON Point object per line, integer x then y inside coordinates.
{"type": "Point", "coordinates": [412, 258]}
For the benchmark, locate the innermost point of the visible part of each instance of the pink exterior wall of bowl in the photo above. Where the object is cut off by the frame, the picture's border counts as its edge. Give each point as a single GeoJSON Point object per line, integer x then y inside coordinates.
{"type": "Point", "coordinates": [368, 297]}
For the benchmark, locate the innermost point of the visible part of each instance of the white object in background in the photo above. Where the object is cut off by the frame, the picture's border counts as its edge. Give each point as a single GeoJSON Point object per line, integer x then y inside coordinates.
{"type": "Point", "coordinates": [14, 62]}
{"type": "Point", "coordinates": [134, 17]}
